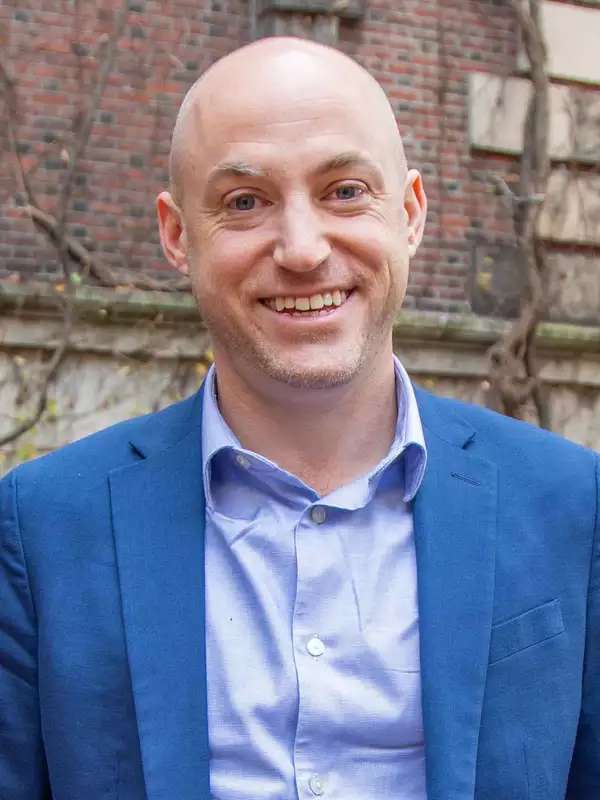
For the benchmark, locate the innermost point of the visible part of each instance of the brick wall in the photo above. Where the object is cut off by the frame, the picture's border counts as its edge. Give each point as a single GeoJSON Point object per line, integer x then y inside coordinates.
{"type": "Point", "coordinates": [421, 53]}
{"type": "Point", "coordinates": [420, 50]}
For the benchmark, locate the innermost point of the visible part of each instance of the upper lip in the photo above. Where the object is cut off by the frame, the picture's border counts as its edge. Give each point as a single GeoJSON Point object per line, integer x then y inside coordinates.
{"type": "Point", "coordinates": [308, 292]}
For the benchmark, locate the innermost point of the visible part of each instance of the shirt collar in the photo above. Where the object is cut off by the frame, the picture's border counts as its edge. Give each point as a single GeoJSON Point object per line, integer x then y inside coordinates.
{"type": "Point", "coordinates": [217, 436]}
{"type": "Point", "coordinates": [409, 433]}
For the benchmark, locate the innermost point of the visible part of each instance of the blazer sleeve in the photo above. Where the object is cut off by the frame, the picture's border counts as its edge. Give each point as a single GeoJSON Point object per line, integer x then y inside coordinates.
{"type": "Point", "coordinates": [584, 779]}
{"type": "Point", "coordinates": [23, 773]}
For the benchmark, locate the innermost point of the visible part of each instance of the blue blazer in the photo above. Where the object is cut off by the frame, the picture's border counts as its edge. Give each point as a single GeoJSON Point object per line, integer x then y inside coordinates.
{"type": "Point", "coordinates": [102, 645]}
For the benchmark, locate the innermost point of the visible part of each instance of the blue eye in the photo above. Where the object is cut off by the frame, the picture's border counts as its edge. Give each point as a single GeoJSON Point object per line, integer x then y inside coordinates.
{"type": "Point", "coordinates": [244, 202]}
{"type": "Point", "coordinates": [348, 192]}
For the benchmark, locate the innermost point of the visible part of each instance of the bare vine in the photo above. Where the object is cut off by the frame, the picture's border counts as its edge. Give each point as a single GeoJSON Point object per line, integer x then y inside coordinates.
{"type": "Point", "coordinates": [55, 229]}
{"type": "Point", "coordinates": [514, 368]}
{"type": "Point", "coordinates": [92, 266]}
{"type": "Point", "coordinates": [84, 133]}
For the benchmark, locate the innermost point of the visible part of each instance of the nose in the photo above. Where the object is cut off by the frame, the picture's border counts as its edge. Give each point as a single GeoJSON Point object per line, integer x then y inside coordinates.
{"type": "Point", "coordinates": [301, 245]}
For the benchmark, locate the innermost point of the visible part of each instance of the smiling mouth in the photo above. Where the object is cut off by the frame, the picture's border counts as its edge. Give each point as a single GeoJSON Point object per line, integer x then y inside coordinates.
{"type": "Point", "coordinates": [311, 306]}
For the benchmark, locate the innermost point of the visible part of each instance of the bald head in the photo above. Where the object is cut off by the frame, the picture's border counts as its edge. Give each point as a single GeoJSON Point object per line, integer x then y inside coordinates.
{"type": "Point", "coordinates": [264, 75]}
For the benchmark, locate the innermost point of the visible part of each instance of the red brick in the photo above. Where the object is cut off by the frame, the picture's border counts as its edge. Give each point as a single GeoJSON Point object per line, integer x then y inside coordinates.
{"type": "Point", "coordinates": [420, 50]}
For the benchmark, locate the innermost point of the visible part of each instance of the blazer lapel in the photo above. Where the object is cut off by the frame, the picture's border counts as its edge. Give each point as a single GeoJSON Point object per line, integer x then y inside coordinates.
{"type": "Point", "coordinates": [455, 529]}
{"type": "Point", "coordinates": [158, 520]}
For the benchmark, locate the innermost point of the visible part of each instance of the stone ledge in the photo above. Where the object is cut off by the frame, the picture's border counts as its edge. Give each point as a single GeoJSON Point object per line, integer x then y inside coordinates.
{"type": "Point", "coordinates": [471, 329]}
{"type": "Point", "coordinates": [114, 315]}
{"type": "Point", "coordinates": [97, 303]}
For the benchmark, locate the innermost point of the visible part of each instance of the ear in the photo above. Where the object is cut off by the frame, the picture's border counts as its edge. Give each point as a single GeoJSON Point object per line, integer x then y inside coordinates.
{"type": "Point", "coordinates": [172, 232]}
{"type": "Point", "coordinates": [415, 205]}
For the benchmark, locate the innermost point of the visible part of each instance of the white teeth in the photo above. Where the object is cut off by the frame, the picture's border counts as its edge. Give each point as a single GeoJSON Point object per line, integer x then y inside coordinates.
{"type": "Point", "coordinates": [313, 303]}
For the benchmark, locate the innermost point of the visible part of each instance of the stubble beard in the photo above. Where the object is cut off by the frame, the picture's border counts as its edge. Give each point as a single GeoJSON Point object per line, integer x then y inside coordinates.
{"type": "Point", "coordinates": [261, 356]}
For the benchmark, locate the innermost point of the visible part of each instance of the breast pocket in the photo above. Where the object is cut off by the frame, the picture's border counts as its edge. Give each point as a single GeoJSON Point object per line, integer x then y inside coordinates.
{"type": "Point", "coordinates": [532, 627]}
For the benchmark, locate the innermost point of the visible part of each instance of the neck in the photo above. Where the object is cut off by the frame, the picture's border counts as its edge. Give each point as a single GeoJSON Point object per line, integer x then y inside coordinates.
{"type": "Point", "coordinates": [326, 437]}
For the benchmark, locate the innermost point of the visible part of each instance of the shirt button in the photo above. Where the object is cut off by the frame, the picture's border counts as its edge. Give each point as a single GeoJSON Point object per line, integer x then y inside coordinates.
{"type": "Point", "coordinates": [315, 646]}
{"type": "Point", "coordinates": [318, 514]}
{"type": "Point", "coordinates": [315, 784]}
{"type": "Point", "coordinates": [242, 460]}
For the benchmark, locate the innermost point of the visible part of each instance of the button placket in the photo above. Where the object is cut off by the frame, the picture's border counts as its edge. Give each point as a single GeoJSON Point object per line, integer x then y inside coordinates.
{"type": "Point", "coordinates": [313, 559]}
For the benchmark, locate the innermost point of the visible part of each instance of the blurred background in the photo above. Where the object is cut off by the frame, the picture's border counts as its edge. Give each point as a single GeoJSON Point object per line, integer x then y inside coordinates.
{"type": "Point", "coordinates": [498, 102]}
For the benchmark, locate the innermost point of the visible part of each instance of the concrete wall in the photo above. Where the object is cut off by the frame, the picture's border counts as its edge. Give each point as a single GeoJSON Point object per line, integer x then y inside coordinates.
{"type": "Point", "coordinates": [149, 350]}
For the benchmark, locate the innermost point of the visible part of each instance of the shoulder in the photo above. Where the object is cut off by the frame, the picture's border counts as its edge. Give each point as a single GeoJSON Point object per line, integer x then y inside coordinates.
{"type": "Point", "coordinates": [92, 457]}
{"type": "Point", "coordinates": [504, 439]}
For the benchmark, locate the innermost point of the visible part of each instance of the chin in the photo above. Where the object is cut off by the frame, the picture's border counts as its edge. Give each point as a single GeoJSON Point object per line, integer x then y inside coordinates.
{"type": "Point", "coordinates": [303, 375]}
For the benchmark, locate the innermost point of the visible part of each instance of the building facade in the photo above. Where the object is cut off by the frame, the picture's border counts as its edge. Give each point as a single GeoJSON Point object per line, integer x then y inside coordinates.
{"type": "Point", "coordinates": [91, 91]}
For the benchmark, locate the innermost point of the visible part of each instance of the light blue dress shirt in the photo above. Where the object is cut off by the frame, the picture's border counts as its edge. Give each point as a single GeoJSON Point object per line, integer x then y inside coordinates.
{"type": "Point", "coordinates": [313, 670]}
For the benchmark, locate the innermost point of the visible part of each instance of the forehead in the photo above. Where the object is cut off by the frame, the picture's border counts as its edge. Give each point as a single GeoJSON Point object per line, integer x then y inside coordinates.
{"type": "Point", "coordinates": [290, 121]}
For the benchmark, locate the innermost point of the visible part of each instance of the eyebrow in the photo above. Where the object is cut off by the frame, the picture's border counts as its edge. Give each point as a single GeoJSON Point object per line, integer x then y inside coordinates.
{"type": "Point", "coordinates": [242, 169]}
{"type": "Point", "coordinates": [348, 159]}
{"type": "Point", "coordinates": [236, 169]}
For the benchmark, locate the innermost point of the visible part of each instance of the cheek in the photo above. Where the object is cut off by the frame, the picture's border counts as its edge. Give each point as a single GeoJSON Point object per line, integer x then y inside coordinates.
{"type": "Point", "coordinates": [376, 241]}
{"type": "Point", "coordinates": [230, 256]}
{"type": "Point", "coordinates": [387, 263]}
{"type": "Point", "coordinates": [227, 277]}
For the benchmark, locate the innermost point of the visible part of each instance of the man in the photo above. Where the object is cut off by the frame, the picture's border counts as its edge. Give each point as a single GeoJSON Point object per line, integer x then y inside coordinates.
{"type": "Point", "coordinates": [304, 581]}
